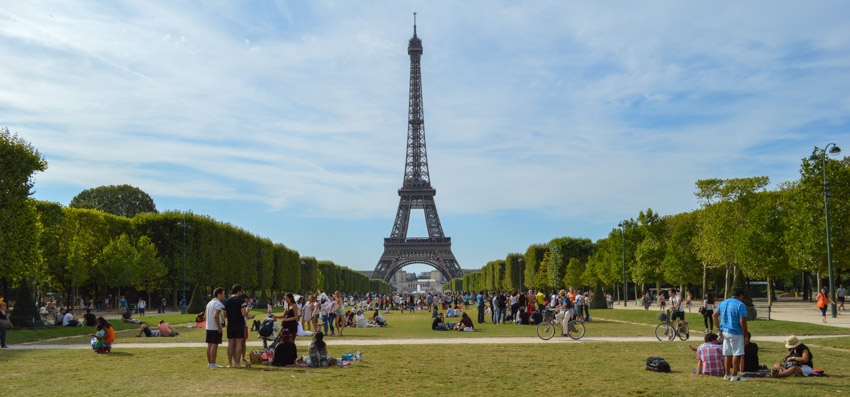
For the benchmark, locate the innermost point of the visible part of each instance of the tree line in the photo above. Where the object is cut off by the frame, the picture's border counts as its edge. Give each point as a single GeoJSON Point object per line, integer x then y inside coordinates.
{"type": "Point", "coordinates": [88, 252]}
{"type": "Point", "coordinates": [742, 231]}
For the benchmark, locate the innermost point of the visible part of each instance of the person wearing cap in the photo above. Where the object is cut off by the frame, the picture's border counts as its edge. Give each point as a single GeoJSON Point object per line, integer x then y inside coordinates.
{"type": "Point", "coordinates": [797, 362]}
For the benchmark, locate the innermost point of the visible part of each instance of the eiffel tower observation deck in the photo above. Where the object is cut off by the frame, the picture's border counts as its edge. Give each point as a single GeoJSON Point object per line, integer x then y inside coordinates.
{"type": "Point", "coordinates": [416, 193]}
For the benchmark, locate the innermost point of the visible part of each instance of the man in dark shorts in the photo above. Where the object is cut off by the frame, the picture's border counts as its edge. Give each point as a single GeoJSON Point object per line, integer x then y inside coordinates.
{"type": "Point", "coordinates": [236, 309]}
{"type": "Point", "coordinates": [213, 326]}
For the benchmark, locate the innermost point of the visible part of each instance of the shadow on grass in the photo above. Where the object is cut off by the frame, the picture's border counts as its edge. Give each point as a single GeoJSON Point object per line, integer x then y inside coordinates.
{"type": "Point", "coordinates": [117, 354]}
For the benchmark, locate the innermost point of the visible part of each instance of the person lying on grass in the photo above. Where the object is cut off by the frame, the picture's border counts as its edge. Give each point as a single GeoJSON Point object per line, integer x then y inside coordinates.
{"type": "Point", "coordinates": [127, 317]}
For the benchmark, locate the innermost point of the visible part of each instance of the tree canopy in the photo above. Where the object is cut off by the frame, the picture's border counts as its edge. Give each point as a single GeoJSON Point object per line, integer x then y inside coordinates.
{"type": "Point", "coordinates": [121, 200]}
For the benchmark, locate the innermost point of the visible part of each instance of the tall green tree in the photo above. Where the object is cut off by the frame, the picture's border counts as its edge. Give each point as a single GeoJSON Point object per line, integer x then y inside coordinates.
{"type": "Point", "coordinates": [19, 230]}
{"type": "Point", "coordinates": [121, 200]}
{"type": "Point", "coordinates": [761, 244]}
{"type": "Point", "coordinates": [681, 264]}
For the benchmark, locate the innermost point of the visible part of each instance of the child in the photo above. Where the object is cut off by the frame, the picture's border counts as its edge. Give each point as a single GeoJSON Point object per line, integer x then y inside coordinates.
{"type": "Point", "coordinates": [100, 335]}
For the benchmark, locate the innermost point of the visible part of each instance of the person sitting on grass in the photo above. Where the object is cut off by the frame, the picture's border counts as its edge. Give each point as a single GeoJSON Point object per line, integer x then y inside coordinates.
{"type": "Point", "coordinates": [465, 323]}
{"type": "Point", "coordinates": [100, 335]}
{"type": "Point", "coordinates": [797, 362]}
{"type": "Point", "coordinates": [361, 319]}
{"type": "Point", "coordinates": [318, 353]}
{"type": "Point", "coordinates": [89, 319]}
{"type": "Point", "coordinates": [285, 352]}
{"type": "Point", "coordinates": [378, 319]}
{"type": "Point", "coordinates": [523, 317]}
{"type": "Point", "coordinates": [438, 324]}
{"type": "Point", "coordinates": [69, 320]}
{"type": "Point", "coordinates": [710, 356]}
{"type": "Point", "coordinates": [166, 330]}
{"type": "Point", "coordinates": [536, 317]}
{"type": "Point", "coordinates": [751, 356]}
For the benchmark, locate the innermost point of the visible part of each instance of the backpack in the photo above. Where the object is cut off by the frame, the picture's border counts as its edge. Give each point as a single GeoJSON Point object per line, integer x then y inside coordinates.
{"type": "Point", "coordinates": [267, 328]}
{"type": "Point", "coordinates": [657, 364]}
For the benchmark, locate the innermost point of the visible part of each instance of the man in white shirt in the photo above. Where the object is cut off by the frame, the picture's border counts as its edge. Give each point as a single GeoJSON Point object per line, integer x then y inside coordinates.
{"type": "Point", "coordinates": [678, 309]}
{"type": "Point", "coordinates": [841, 292]}
{"type": "Point", "coordinates": [142, 305]}
{"type": "Point", "coordinates": [213, 327]}
{"type": "Point", "coordinates": [69, 320]}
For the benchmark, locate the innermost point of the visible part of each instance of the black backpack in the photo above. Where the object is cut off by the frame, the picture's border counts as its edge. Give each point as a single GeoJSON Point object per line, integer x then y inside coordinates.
{"type": "Point", "coordinates": [657, 364]}
{"type": "Point", "coordinates": [267, 329]}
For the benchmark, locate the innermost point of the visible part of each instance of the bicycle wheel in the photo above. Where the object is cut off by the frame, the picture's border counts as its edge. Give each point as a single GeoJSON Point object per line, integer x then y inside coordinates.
{"type": "Point", "coordinates": [684, 333]}
{"type": "Point", "coordinates": [545, 331]}
{"type": "Point", "coordinates": [665, 332]}
{"type": "Point", "coordinates": [575, 329]}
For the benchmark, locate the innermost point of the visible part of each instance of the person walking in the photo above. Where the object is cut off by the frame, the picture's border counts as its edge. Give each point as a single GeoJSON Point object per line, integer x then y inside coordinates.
{"type": "Point", "coordinates": [823, 302]}
{"type": "Point", "coordinates": [236, 309]}
{"type": "Point", "coordinates": [841, 292]}
{"type": "Point", "coordinates": [141, 307]}
{"type": "Point", "coordinates": [732, 316]}
{"type": "Point", "coordinates": [122, 305]}
{"type": "Point", "coordinates": [213, 326]}
{"type": "Point", "coordinates": [708, 312]}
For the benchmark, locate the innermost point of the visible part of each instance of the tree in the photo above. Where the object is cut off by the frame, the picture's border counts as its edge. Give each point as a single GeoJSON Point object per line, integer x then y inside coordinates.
{"type": "Point", "coordinates": [120, 264]}
{"type": "Point", "coordinates": [19, 231]}
{"type": "Point", "coordinates": [150, 268]}
{"type": "Point", "coordinates": [533, 256]}
{"type": "Point", "coordinates": [121, 200]}
{"type": "Point", "coordinates": [572, 275]}
{"type": "Point", "coordinates": [681, 264]}
{"type": "Point", "coordinates": [514, 271]}
{"type": "Point", "coordinates": [761, 245]}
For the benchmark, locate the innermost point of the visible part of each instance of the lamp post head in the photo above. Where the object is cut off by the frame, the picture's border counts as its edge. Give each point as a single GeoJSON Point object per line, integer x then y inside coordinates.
{"type": "Point", "coordinates": [835, 149]}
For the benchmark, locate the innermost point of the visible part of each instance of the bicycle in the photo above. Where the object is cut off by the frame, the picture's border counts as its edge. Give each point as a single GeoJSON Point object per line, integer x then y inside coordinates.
{"type": "Point", "coordinates": [546, 329]}
{"type": "Point", "coordinates": [666, 332]}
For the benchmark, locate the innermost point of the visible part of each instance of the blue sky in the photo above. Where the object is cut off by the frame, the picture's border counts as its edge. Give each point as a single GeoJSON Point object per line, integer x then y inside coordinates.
{"type": "Point", "coordinates": [543, 119]}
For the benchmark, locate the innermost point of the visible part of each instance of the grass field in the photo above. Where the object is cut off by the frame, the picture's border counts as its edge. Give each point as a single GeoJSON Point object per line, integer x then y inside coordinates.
{"type": "Point", "coordinates": [615, 323]}
{"type": "Point", "coordinates": [503, 369]}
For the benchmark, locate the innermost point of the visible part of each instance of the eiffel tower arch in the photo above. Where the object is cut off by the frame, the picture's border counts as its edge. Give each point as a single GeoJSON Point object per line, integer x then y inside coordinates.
{"type": "Point", "coordinates": [416, 193]}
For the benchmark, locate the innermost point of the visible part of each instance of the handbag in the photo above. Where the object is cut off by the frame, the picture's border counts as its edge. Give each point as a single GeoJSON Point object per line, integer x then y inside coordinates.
{"type": "Point", "coordinates": [5, 324]}
{"type": "Point", "coordinates": [702, 310]}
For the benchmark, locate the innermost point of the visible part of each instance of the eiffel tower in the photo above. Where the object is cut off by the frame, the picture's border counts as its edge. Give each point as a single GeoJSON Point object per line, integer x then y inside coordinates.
{"type": "Point", "coordinates": [416, 193]}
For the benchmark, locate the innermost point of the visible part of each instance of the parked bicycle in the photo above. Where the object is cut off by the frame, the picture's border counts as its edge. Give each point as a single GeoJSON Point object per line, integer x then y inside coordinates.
{"type": "Point", "coordinates": [667, 332]}
{"type": "Point", "coordinates": [546, 329]}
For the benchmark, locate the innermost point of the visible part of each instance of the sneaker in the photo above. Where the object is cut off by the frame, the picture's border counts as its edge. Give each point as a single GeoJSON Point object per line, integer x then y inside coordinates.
{"type": "Point", "coordinates": [215, 366]}
{"type": "Point", "coordinates": [738, 379]}
{"type": "Point", "coordinates": [726, 377]}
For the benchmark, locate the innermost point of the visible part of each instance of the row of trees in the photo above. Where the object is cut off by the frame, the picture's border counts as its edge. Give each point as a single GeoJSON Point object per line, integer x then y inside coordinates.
{"type": "Point", "coordinates": [741, 231]}
{"type": "Point", "coordinates": [81, 250]}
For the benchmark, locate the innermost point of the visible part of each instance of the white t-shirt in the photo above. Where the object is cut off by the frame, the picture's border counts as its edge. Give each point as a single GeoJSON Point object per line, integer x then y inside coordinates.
{"type": "Point", "coordinates": [67, 319]}
{"type": "Point", "coordinates": [678, 299]}
{"type": "Point", "coordinates": [708, 306]}
{"type": "Point", "coordinates": [212, 306]}
{"type": "Point", "coordinates": [142, 304]}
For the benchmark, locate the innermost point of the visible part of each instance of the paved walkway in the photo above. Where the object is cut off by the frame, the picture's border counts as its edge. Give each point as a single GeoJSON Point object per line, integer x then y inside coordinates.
{"type": "Point", "coordinates": [419, 341]}
{"type": "Point", "coordinates": [786, 309]}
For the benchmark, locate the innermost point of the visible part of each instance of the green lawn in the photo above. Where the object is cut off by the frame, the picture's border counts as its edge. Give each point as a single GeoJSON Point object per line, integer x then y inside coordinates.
{"type": "Point", "coordinates": [16, 336]}
{"type": "Point", "coordinates": [839, 343]}
{"type": "Point", "coordinates": [477, 370]}
{"type": "Point", "coordinates": [758, 327]}
{"type": "Point", "coordinates": [417, 325]}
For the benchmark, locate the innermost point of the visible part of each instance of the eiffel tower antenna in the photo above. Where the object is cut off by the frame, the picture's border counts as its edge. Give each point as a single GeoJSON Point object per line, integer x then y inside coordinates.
{"type": "Point", "coordinates": [416, 193]}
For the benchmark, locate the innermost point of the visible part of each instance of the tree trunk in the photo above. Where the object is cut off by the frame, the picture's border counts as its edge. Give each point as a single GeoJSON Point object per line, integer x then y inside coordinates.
{"type": "Point", "coordinates": [118, 298]}
{"type": "Point", "coordinates": [769, 291]}
{"type": "Point", "coordinates": [6, 289]}
{"type": "Point", "coordinates": [704, 279]}
{"type": "Point", "coordinates": [820, 281]}
{"type": "Point", "coordinates": [617, 291]}
{"type": "Point", "coordinates": [806, 286]}
{"type": "Point", "coordinates": [726, 287]}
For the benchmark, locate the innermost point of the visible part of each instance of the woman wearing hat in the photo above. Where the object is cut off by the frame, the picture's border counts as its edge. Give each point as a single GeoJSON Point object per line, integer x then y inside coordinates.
{"type": "Point", "coordinates": [797, 362]}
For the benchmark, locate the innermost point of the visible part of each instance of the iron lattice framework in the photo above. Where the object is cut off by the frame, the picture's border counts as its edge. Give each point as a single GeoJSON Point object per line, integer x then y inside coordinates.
{"type": "Point", "coordinates": [416, 193]}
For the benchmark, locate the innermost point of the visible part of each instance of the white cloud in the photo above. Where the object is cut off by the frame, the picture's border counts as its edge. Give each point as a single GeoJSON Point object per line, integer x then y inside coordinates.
{"type": "Point", "coordinates": [590, 110]}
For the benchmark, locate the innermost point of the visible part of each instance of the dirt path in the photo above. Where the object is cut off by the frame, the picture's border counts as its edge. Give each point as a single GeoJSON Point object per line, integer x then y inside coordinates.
{"type": "Point", "coordinates": [423, 341]}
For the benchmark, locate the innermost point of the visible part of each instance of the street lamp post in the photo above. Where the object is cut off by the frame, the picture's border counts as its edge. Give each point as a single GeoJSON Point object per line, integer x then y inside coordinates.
{"type": "Point", "coordinates": [820, 154]}
{"type": "Point", "coordinates": [625, 283]}
{"type": "Point", "coordinates": [183, 225]}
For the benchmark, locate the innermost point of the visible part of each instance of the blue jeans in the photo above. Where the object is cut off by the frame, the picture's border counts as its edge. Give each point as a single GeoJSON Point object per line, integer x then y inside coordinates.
{"type": "Point", "coordinates": [480, 314]}
{"type": "Point", "coordinates": [2, 336]}
{"type": "Point", "coordinates": [325, 322]}
{"type": "Point", "coordinates": [493, 314]}
{"type": "Point", "coordinates": [331, 318]}
{"type": "Point", "coordinates": [501, 315]}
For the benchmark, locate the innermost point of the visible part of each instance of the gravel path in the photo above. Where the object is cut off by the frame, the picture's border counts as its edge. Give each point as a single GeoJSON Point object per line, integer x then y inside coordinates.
{"type": "Point", "coordinates": [424, 341]}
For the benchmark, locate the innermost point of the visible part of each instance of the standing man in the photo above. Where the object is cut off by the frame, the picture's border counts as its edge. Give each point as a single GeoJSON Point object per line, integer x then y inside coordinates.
{"type": "Point", "coordinates": [479, 300]}
{"type": "Point", "coordinates": [142, 305]}
{"type": "Point", "coordinates": [678, 308]}
{"type": "Point", "coordinates": [731, 317]}
{"type": "Point", "coordinates": [122, 305]}
{"type": "Point", "coordinates": [162, 305]}
{"type": "Point", "coordinates": [430, 301]}
{"type": "Point", "coordinates": [541, 300]}
{"type": "Point", "coordinates": [236, 309]}
{"type": "Point", "coordinates": [213, 316]}
{"type": "Point", "coordinates": [841, 292]}
{"type": "Point", "coordinates": [183, 305]}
